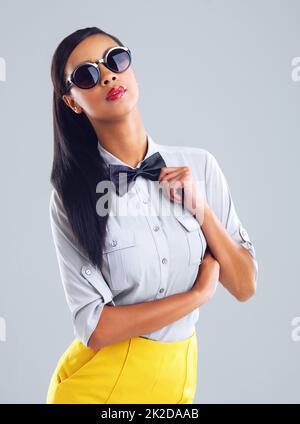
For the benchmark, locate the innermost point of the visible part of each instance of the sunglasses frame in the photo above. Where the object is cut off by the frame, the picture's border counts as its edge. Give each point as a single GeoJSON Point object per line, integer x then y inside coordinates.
{"type": "Point", "coordinates": [70, 80]}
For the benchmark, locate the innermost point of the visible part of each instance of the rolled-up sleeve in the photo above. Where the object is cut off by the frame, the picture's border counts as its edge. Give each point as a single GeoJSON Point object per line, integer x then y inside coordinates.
{"type": "Point", "coordinates": [220, 200]}
{"type": "Point", "coordinates": [85, 289]}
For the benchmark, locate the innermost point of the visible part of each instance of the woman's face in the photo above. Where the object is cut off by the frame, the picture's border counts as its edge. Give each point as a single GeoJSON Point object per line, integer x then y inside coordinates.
{"type": "Point", "coordinates": [93, 101]}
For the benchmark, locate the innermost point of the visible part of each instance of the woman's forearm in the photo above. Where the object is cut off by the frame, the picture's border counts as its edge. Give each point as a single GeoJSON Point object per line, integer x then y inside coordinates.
{"type": "Point", "coordinates": [237, 268]}
{"type": "Point", "coordinates": [118, 323]}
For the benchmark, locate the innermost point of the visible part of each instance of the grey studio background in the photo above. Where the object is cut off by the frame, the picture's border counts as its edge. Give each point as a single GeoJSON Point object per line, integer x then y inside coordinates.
{"type": "Point", "coordinates": [218, 75]}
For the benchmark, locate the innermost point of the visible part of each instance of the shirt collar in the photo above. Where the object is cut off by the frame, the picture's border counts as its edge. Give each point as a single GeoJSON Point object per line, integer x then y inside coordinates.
{"type": "Point", "coordinates": [109, 158]}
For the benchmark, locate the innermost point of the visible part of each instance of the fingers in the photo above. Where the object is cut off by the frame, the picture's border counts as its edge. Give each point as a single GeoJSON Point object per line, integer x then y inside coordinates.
{"type": "Point", "coordinates": [174, 183]}
{"type": "Point", "coordinates": [174, 178]}
{"type": "Point", "coordinates": [175, 195]}
{"type": "Point", "coordinates": [170, 188]}
{"type": "Point", "coordinates": [171, 174]}
{"type": "Point", "coordinates": [172, 169]}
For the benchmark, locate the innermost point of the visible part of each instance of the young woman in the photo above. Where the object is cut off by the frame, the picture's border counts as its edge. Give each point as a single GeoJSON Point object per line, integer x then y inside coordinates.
{"type": "Point", "coordinates": [134, 270]}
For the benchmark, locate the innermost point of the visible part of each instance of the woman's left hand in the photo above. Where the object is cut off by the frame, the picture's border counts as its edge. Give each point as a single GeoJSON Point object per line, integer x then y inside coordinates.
{"type": "Point", "coordinates": [175, 178]}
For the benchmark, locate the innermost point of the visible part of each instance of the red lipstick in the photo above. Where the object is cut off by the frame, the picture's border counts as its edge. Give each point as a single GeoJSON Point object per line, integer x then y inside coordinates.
{"type": "Point", "coordinates": [116, 92]}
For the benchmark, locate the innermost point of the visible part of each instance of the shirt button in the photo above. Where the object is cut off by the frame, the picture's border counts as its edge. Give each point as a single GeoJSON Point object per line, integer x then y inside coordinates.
{"type": "Point", "coordinates": [161, 290]}
{"type": "Point", "coordinates": [88, 271]}
{"type": "Point", "coordinates": [114, 243]}
{"type": "Point", "coordinates": [156, 228]}
{"type": "Point", "coordinates": [164, 260]}
{"type": "Point", "coordinates": [145, 201]}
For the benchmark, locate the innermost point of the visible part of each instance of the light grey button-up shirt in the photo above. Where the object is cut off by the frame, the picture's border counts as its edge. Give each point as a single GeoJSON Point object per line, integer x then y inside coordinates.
{"type": "Point", "coordinates": [151, 250]}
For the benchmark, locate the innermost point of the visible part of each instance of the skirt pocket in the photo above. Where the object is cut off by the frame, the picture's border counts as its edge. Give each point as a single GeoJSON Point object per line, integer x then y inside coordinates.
{"type": "Point", "coordinates": [84, 375]}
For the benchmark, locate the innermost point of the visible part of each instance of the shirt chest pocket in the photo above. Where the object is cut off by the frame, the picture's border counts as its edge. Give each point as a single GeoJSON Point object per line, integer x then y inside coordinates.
{"type": "Point", "coordinates": [121, 254]}
{"type": "Point", "coordinates": [195, 238]}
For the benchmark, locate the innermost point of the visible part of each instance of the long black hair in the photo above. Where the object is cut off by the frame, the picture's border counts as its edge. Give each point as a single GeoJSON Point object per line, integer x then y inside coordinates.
{"type": "Point", "coordinates": [77, 164]}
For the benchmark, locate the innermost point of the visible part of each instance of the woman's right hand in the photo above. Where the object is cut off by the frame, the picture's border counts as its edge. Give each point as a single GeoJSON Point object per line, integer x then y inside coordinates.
{"type": "Point", "coordinates": [208, 277]}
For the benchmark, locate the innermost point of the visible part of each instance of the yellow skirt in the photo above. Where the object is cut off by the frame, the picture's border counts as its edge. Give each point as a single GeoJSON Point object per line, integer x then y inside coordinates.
{"type": "Point", "coordinates": [135, 370]}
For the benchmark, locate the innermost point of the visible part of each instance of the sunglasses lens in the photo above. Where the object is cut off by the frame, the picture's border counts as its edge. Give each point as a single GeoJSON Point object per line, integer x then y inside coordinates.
{"type": "Point", "coordinates": [118, 60]}
{"type": "Point", "coordinates": [86, 76]}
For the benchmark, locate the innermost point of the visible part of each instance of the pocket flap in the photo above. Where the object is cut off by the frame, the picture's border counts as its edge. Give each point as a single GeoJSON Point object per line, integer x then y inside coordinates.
{"type": "Point", "coordinates": [189, 222]}
{"type": "Point", "coordinates": [119, 240]}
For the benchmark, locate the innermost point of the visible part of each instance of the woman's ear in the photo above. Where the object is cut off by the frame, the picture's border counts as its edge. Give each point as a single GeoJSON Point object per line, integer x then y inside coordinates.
{"type": "Point", "coordinates": [70, 102]}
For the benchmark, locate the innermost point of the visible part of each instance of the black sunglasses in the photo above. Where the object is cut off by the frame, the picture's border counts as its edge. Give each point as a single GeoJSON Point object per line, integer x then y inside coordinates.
{"type": "Point", "coordinates": [87, 74]}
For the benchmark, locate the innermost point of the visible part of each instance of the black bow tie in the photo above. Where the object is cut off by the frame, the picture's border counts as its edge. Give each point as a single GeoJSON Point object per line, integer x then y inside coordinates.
{"type": "Point", "coordinates": [149, 168]}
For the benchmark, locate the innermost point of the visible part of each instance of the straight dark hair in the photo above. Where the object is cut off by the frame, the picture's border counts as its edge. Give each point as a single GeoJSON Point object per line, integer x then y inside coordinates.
{"type": "Point", "coordinates": [77, 164]}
